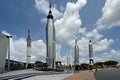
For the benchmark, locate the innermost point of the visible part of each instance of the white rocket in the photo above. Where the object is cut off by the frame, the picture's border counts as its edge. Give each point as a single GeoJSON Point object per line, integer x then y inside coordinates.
{"type": "Point", "coordinates": [76, 56]}
{"type": "Point", "coordinates": [90, 53]}
{"type": "Point", "coordinates": [28, 49]}
{"type": "Point", "coordinates": [50, 40]}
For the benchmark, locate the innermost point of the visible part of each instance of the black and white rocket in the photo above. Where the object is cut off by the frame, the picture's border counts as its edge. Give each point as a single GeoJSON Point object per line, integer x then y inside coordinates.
{"type": "Point", "coordinates": [50, 40]}
{"type": "Point", "coordinates": [90, 53]}
{"type": "Point", "coordinates": [28, 49]}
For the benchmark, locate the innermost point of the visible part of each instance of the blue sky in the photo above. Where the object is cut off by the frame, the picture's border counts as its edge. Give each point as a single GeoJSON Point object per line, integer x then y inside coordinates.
{"type": "Point", "coordinates": [89, 19]}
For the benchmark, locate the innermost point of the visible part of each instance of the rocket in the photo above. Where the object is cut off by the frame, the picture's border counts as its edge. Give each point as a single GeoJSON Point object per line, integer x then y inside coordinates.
{"type": "Point", "coordinates": [90, 53]}
{"type": "Point", "coordinates": [76, 57]}
{"type": "Point", "coordinates": [28, 49]}
{"type": "Point", "coordinates": [50, 40]}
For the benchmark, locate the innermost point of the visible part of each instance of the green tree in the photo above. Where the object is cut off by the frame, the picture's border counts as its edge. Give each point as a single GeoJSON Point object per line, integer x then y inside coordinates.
{"type": "Point", "coordinates": [99, 64]}
{"type": "Point", "coordinates": [111, 63]}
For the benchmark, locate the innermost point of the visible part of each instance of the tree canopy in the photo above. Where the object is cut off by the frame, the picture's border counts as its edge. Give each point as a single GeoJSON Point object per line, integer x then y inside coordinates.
{"type": "Point", "coordinates": [107, 63]}
{"type": "Point", "coordinates": [111, 62]}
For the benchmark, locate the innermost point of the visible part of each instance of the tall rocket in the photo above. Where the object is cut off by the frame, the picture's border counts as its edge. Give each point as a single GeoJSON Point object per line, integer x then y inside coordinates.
{"type": "Point", "coordinates": [76, 57]}
{"type": "Point", "coordinates": [28, 49]}
{"type": "Point", "coordinates": [50, 40]}
{"type": "Point", "coordinates": [90, 53]}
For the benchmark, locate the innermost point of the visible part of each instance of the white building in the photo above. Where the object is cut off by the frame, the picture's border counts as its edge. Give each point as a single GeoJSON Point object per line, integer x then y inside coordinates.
{"type": "Point", "coordinates": [4, 45]}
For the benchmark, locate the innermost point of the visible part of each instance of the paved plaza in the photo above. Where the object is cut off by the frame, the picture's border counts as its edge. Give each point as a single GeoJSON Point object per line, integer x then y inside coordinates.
{"type": "Point", "coordinates": [30, 74]}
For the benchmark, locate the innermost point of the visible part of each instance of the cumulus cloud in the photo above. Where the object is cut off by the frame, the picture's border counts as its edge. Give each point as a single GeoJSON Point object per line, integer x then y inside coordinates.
{"type": "Point", "coordinates": [110, 16]}
{"type": "Point", "coordinates": [39, 50]}
{"type": "Point", "coordinates": [108, 56]}
{"type": "Point", "coordinates": [83, 46]}
{"type": "Point", "coordinates": [82, 31]}
{"type": "Point", "coordinates": [70, 23]}
{"type": "Point", "coordinates": [102, 45]}
{"type": "Point", "coordinates": [94, 35]}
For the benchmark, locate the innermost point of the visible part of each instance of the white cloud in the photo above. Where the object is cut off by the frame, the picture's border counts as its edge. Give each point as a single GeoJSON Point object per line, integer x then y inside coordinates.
{"type": "Point", "coordinates": [42, 6]}
{"type": "Point", "coordinates": [39, 50]}
{"type": "Point", "coordinates": [112, 55]}
{"type": "Point", "coordinates": [43, 20]}
{"type": "Point", "coordinates": [83, 46]}
{"type": "Point", "coordinates": [20, 45]}
{"type": "Point", "coordinates": [110, 16]}
{"type": "Point", "coordinates": [70, 23]}
{"type": "Point", "coordinates": [62, 8]}
{"type": "Point", "coordinates": [94, 35]}
{"type": "Point", "coordinates": [84, 60]}
{"type": "Point", "coordinates": [102, 45]}
{"type": "Point", "coordinates": [82, 31]}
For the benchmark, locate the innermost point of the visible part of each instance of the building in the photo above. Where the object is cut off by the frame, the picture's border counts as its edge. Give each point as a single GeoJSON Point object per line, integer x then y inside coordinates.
{"type": "Point", "coordinates": [28, 61]}
{"type": "Point", "coordinates": [15, 65]}
{"type": "Point", "coordinates": [4, 44]}
{"type": "Point", "coordinates": [40, 66]}
{"type": "Point", "coordinates": [50, 41]}
{"type": "Point", "coordinates": [90, 54]}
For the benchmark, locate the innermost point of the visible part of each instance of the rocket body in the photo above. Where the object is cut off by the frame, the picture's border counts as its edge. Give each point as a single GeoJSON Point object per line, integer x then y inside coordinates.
{"type": "Point", "coordinates": [90, 53]}
{"type": "Point", "coordinates": [50, 41]}
{"type": "Point", "coordinates": [76, 59]}
{"type": "Point", "coordinates": [28, 49]}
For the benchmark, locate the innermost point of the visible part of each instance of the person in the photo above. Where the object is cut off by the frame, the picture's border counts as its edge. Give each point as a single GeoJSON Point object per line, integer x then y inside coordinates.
{"type": "Point", "coordinates": [96, 68]}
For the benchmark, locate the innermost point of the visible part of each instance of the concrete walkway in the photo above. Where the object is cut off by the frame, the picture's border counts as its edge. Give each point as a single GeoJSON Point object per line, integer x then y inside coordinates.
{"type": "Point", "coordinates": [83, 75]}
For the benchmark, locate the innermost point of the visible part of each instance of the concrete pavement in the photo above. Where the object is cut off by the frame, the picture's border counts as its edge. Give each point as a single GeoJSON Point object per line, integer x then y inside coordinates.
{"type": "Point", "coordinates": [82, 75]}
{"type": "Point", "coordinates": [104, 74]}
